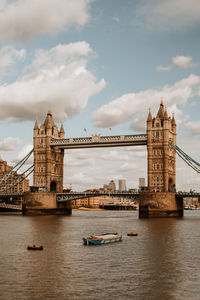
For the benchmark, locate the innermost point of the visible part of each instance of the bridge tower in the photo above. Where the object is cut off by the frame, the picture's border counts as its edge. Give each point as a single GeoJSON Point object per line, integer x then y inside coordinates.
{"type": "Point", "coordinates": [160, 200]}
{"type": "Point", "coordinates": [161, 158]}
{"type": "Point", "coordinates": [48, 161]}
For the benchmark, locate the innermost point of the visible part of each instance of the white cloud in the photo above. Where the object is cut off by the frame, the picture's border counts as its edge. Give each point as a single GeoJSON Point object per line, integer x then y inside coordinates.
{"type": "Point", "coordinates": [22, 20]}
{"type": "Point", "coordinates": [102, 165]}
{"type": "Point", "coordinates": [193, 127]}
{"type": "Point", "coordinates": [135, 106]}
{"type": "Point", "coordinates": [184, 62]}
{"type": "Point", "coordinates": [171, 15]}
{"type": "Point", "coordinates": [57, 79]}
{"type": "Point", "coordinates": [180, 61]}
{"type": "Point", "coordinates": [9, 57]}
{"type": "Point", "coordinates": [116, 19]}
{"type": "Point", "coordinates": [186, 177]}
{"type": "Point", "coordinates": [160, 68]}
{"type": "Point", "coordinates": [9, 144]}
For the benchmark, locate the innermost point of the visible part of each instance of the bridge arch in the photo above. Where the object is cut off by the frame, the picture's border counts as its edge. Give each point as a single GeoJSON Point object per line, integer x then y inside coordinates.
{"type": "Point", "coordinates": [53, 186]}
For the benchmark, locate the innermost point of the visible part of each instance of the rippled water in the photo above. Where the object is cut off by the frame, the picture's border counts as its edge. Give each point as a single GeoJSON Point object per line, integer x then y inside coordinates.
{"type": "Point", "coordinates": [162, 262]}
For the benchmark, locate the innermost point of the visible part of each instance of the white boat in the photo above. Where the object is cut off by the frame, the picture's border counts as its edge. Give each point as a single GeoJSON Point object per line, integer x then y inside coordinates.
{"type": "Point", "coordinates": [104, 238]}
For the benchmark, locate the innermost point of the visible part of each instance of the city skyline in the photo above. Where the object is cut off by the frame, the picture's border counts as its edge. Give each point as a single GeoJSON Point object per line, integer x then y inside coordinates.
{"type": "Point", "coordinates": [99, 66]}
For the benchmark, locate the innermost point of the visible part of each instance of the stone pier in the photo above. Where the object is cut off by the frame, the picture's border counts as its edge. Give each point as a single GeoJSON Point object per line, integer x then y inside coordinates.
{"type": "Point", "coordinates": [44, 203]}
{"type": "Point", "coordinates": [159, 204]}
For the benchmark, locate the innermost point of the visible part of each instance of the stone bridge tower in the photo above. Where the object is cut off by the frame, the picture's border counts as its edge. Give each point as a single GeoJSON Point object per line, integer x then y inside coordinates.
{"type": "Point", "coordinates": [161, 158]}
{"type": "Point", "coordinates": [48, 161]}
{"type": "Point", "coordinates": [160, 200]}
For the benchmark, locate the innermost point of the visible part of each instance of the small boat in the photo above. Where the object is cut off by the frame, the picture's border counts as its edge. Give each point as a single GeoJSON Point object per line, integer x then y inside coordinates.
{"type": "Point", "coordinates": [104, 238]}
{"type": "Point", "coordinates": [132, 234]}
{"type": "Point", "coordinates": [34, 247]}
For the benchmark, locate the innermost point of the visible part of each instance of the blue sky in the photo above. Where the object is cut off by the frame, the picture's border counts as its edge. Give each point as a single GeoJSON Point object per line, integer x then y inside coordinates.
{"type": "Point", "coordinates": [99, 65]}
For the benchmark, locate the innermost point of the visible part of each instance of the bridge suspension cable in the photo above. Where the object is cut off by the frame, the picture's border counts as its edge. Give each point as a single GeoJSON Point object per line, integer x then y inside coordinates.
{"type": "Point", "coordinates": [189, 160]}
{"type": "Point", "coordinates": [16, 180]}
{"type": "Point", "coordinates": [12, 172]}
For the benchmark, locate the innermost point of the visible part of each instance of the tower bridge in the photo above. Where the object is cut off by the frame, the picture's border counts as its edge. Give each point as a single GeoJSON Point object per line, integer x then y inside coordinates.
{"type": "Point", "coordinates": [49, 144]}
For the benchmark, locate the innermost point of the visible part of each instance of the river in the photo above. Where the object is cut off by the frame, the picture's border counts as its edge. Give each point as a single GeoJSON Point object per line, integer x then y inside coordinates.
{"type": "Point", "coordinates": [162, 262]}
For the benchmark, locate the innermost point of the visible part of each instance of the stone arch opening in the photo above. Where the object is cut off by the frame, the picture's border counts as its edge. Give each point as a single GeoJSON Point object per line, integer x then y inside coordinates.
{"type": "Point", "coordinates": [171, 186]}
{"type": "Point", "coordinates": [53, 186]}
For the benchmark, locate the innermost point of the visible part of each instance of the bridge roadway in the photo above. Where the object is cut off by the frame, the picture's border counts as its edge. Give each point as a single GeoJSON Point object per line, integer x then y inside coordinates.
{"type": "Point", "coordinates": [62, 197]}
{"type": "Point", "coordinates": [101, 141]}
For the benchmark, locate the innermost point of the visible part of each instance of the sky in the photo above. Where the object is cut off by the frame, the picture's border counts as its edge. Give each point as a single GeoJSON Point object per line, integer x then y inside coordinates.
{"type": "Point", "coordinates": [100, 65]}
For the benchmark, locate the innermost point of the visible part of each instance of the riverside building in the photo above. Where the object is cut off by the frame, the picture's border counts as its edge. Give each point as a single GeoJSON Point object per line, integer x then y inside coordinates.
{"type": "Point", "coordinates": [122, 185]}
{"type": "Point", "coordinates": [15, 184]}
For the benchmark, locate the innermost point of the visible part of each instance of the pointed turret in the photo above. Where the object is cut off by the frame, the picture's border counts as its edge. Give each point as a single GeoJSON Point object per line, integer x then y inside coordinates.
{"type": "Point", "coordinates": [62, 131]}
{"type": "Point", "coordinates": [49, 122]}
{"type": "Point", "coordinates": [149, 118]}
{"type": "Point", "coordinates": [36, 127]}
{"type": "Point", "coordinates": [165, 114]}
{"type": "Point", "coordinates": [173, 120]}
{"type": "Point", "coordinates": [161, 111]}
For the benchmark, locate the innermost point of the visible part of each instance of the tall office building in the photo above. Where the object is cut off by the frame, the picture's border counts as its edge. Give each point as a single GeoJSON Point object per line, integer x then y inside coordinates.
{"type": "Point", "coordinates": [122, 185]}
{"type": "Point", "coordinates": [141, 182]}
{"type": "Point", "coordinates": [112, 185]}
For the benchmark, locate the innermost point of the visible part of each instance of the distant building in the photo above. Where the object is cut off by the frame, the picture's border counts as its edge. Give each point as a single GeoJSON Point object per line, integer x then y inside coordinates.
{"type": "Point", "coordinates": [122, 185]}
{"type": "Point", "coordinates": [112, 185]}
{"type": "Point", "coordinates": [105, 186]}
{"type": "Point", "coordinates": [14, 183]}
{"type": "Point", "coordinates": [141, 183]}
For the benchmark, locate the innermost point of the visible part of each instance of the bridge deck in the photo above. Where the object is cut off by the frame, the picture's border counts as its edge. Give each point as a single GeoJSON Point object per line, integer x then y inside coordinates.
{"type": "Point", "coordinates": [62, 197]}
{"type": "Point", "coordinates": [101, 141]}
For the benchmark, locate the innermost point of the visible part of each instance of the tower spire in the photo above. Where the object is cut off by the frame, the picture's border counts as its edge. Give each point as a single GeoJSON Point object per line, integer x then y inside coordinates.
{"type": "Point", "coordinates": [149, 118]}
{"type": "Point", "coordinates": [36, 125]}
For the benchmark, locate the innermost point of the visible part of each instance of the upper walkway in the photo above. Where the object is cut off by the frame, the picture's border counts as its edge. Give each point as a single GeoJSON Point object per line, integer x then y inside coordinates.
{"type": "Point", "coordinates": [101, 141]}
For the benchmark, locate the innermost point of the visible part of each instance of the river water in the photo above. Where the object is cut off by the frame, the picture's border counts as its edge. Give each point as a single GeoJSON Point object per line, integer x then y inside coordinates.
{"type": "Point", "coordinates": [162, 262]}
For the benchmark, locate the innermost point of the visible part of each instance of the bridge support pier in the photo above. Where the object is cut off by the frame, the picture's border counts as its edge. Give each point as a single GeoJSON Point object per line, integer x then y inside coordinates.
{"type": "Point", "coordinates": [39, 203]}
{"type": "Point", "coordinates": [159, 204]}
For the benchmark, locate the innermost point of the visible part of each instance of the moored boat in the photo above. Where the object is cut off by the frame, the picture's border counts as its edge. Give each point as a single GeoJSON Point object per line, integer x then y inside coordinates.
{"type": "Point", "coordinates": [102, 239]}
{"type": "Point", "coordinates": [34, 247]}
{"type": "Point", "coordinates": [132, 234]}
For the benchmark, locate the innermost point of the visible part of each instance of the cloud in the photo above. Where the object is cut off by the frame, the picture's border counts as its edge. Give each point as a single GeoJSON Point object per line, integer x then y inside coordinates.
{"type": "Point", "coordinates": [160, 68]}
{"type": "Point", "coordinates": [116, 19]}
{"type": "Point", "coordinates": [21, 20]}
{"type": "Point", "coordinates": [186, 177]}
{"type": "Point", "coordinates": [171, 15]}
{"type": "Point", "coordinates": [57, 79]}
{"type": "Point", "coordinates": [193, 127]}
{"type": "Point", "coordinates": [102, 165]}
{"type": "Point", "coordinates": [134, 106]}
{"type": "Point", "coordinates": [184, 62]}
{"type": "Point", "coordinates": [9, 144]}
{"type": "Point", "coordinates": [9, 57]}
